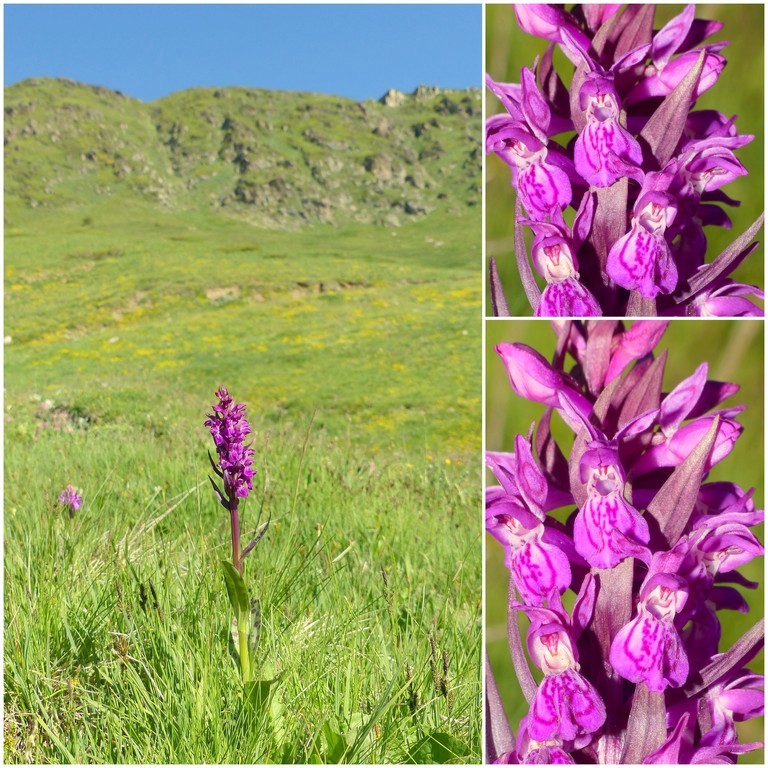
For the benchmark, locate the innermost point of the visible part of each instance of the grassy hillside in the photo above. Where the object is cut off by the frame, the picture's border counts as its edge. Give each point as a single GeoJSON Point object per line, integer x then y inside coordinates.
{"type": "Point", "coordinates": [130, 296]}
{"type": "Point", "coordinates": [277, 159]}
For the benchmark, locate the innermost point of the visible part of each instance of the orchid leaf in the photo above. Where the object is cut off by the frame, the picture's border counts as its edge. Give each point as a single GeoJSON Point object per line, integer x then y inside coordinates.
{"type": "Point", "coordinates": [646, 393]}
{"type": "Point", "coordinates": [598, 354]}
{"type": "Point", "coordinates": [219, 493]}
{"type": "Point", "coordinates": [637, 32]}
{"type": "Point", "coordinates": [254, 636]}
{"type": "Point", "coordinates": [647, 726]}
{"type": "Point", "coordinates": [524, 676]}
{"type": "Point", "coordinates": [672, 506]}
{"type": "Point", "coordinates": [215, 466]}
{"type": "Point", "coordinates": [523, 264]}
{"type": "Point", "coordinates": [259, 537]}
{"type": "Point", "coordinates": [498, 734]}
{"type": "Point", "coordinates": [723, 265]}
{"type": "Point", "coordinates": [236, 590]}
{"type": "Point", "coordinates": [498, 299]}
{"type": "Point", "coordinates": [663, 131]}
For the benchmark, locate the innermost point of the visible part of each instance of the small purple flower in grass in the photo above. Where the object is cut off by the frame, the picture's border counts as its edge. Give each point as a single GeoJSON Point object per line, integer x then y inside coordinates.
{"type": "Point", "coordinates": [625, 520]}
{"type": "Point", "coordinates": [70, 499]}
{"type": "Point", "coordinates": [631, 102]}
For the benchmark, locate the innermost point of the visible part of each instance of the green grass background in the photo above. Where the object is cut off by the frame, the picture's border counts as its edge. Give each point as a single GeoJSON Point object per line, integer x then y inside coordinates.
{"type": "Point", "coordinates": [122, 322]}
{"type": "Point", "coordinates": [739, 91]}
{"type": "Point", "coordinates": [734, 350]}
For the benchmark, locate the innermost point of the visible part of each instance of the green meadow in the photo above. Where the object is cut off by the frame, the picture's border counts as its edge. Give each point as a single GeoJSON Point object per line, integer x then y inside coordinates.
{"type": "Point", "coordinates": [357, 351]}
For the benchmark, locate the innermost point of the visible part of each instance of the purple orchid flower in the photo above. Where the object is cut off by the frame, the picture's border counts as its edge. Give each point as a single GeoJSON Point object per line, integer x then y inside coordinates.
{"type": "Point", "coordinates": [566, 707]}
{"type": "Point", "coordinates": [626, 521]}
{"type": "Point", "coordinates": [70, 499]}
{"type": "Point", "coordinates": [651, 167]}
{"type": "Point", "coordinates": [552, 252]}
{"type": "Point", "coordinates": [649, 649]}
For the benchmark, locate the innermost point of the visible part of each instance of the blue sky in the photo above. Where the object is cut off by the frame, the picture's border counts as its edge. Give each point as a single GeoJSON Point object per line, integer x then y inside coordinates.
{"type": "Point", "coordinates": [148, 51]}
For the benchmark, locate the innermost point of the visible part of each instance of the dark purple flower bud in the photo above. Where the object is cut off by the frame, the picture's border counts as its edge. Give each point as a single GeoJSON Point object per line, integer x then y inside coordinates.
{"type": "Point", "coordinates": [648, 649]}
{"type": "Point", "coordinates": [533, 378]}
{"type": "Point", "coordinates": [229, 428]}
{"type": "Point", "coordinates": [603, 136]}
{"type": "Point", "coordinates": [596, 14]}
{"type": "Point", "coordinates": [70, 499]}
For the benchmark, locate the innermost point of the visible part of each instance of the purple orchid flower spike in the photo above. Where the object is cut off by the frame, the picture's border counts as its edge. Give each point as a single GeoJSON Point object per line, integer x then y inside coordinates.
{"type": "Point", "coordinates": [621, 522]}
{"type": "Point", "coordinates": [651, 169]}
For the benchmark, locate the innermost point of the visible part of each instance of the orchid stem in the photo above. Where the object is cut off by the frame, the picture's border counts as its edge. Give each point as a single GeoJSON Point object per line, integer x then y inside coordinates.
{"type": "Point", "coordinates": [234, 518]}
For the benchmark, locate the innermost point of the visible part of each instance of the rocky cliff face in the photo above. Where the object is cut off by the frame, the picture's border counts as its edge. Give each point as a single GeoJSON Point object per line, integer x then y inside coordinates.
{"type": "Point", "coordinates": [278, 159]}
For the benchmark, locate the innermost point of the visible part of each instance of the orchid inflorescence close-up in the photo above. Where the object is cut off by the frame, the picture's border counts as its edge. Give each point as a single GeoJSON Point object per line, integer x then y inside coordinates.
{"type": "Point", "coordinates": [644, 553]}
{"type": "Point", "coordinates": [623, 146]}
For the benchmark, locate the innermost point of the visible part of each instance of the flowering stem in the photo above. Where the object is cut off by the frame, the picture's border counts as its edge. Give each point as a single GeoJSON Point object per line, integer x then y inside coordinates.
{"type": "Point", "coordinates": [234, 519]}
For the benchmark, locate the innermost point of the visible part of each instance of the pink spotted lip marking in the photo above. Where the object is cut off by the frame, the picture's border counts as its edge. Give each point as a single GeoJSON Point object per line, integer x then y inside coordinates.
{"type": "Point", "coordinates": [661, 603]}
{"type": "Point", "coordinates": [524, 156]}
{"type": "Point", "coordinates": [558, 263]}
{"type": "Point", "coordinates": [605, 480]}
{"type": "Point", "coordinates": [555, 657]}
{"type": "Point", "coordinates": [653, 218]}
{"type": "Point", "coordinates": [602, 107]}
